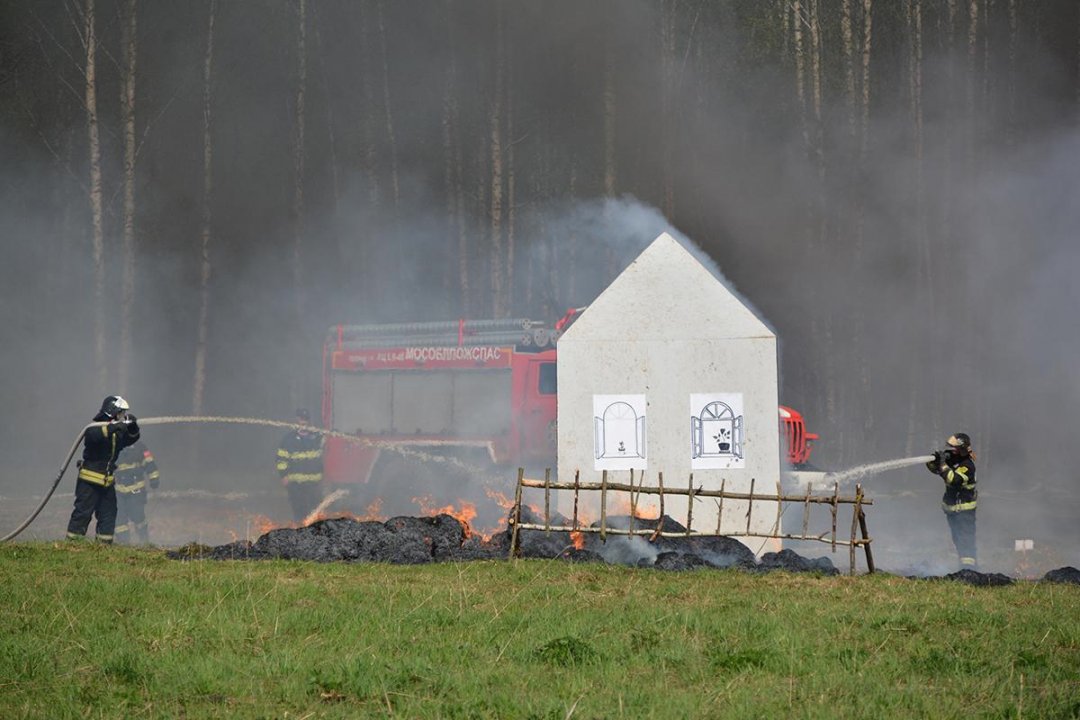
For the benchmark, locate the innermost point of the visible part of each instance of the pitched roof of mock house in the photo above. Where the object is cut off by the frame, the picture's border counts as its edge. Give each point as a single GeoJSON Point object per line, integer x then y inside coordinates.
{"type": "Point", "coordinates": [666, 294]}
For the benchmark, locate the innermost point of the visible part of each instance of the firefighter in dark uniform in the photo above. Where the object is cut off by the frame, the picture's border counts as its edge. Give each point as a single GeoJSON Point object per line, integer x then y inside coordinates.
{"type": "Point", "coordinates": [299, 464]}
{"type": "Point", "coordinates": [95, 490]}
{"type": "Point", "coordinates": [956, 466]}
{"type": "Point", "coordinates": [136, 470]}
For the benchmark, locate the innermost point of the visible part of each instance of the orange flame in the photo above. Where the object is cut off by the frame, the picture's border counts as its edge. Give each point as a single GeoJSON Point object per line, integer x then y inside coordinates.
{"type": "Point", "coordinates": [464, 515]}
{"type": "Point", "coordinates": [578, 538]}
{"type": "Point", "coordinates": [499, 498]}
{"type": "Point", "coordinates": [260, 525]}
{"type": "Point", "coordinates": [373, 512]}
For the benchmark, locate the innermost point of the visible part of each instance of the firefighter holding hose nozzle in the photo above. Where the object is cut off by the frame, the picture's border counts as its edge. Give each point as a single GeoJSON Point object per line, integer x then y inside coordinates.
{"type": "Point", "coordinates": [956, 466]}
{"type": "Point", "coordinates": [95, 490]}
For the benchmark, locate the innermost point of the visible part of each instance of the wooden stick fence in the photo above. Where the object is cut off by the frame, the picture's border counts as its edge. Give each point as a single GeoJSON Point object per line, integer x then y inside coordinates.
{"type": "Point", "coordinates": [858, 537]}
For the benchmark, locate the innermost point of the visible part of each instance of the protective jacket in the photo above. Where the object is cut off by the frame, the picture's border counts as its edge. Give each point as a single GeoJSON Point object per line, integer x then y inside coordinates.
{"type": "Point", "coordinates": [101, 447]}
{"type": "Point", "coordinates": [959, 476]}
{"type": "Point", "coordinates": [135, 468]}
{"type": "Point", "coordinates": [299, 457]}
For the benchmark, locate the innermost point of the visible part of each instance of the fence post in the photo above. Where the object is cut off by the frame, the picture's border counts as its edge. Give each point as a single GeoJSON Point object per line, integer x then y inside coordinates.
{"type": "Point", "coordinates": [806, 511]}
{"type": "Point", "coordinates": [862, 527]}
{"type": "Point", "coordinates": [517, 513]}
{"type": "Point", "coordinates": [660, 521]}
{"type": "Point", "coordinates": [603, 507]}
{"type": "Point", "coordinates": [854, 526]}
{"type": "Point", "coordinates": [547, 500]}
{"type": "Point", "coordinates": [750, 505]}
{"type": "Point", "coordinates": [577, 488]}
{"type": "Point", "coordinates": [690, 506]}
{"type": "Point", "coordinates": [835, 502]}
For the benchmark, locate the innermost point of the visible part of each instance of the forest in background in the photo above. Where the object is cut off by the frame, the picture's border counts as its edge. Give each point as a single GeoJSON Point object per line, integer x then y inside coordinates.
{"type": "Point", "coordinates": [192, 193]}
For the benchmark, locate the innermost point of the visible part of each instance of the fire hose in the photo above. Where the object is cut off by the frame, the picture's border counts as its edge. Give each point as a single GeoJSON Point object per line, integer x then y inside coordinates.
{"type": "Point", "coordinates": [174, 419]}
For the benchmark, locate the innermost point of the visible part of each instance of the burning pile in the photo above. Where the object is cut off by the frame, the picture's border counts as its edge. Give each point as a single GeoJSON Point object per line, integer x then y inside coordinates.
{"type": "Point", "coordinates": [400, 540]}
{"type": "Point", "coordinates": [442, 537]}
{"type": "Point", "coordinates": [405, 540]}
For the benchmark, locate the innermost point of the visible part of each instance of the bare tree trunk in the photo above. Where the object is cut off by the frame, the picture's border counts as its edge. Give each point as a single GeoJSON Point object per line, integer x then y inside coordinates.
{"type": "Point", "coordinates": [570, 268]}
{"type": "Point", "coordinates": [848, 35]}
{"type": "Point", "coordinates": [393, 262]}
{"type": "Point", "coordinates": [785, 28]}
{"type": "Point", "coordinates": [813, 340]}
{"type": "Point", "coordinates": [511, 181]}
{"type": "Point", "coordinates": [455, 191]}
{"type": "Point", "coordinates": [922, 220]}
{"type": "Point", "coordinates": [822, 330]}
{"type": "Point", "coordinates": [860, 230]}
{"type": "Point", "coordinates": [1011, 131]}
{"type": "Point", "coordinates": [497, 280]}
{"type": "Point", "coordinates": [371, 274]}
{"type": "Point", "coordinates": [925, 279]}
{"type": "Point", "coordinates": [819, 138]}
{"type": "Point", "coordinates": [331, 135]}
{"type": "Point", "coordinates": [388, 108]}
{"type": "Point", "coordinates": [667, 94]}
{"type": "Point", "coordinates": [800, 71]}
{"type": "Point", "coordinates": [299, 156]}
{"type": "Point", "coordinates": [971, 337]}
{"type": "Point", "coordinates": [610, 170]}
{"type": "Point", "coordinates": [480, 205]}
{"type": "Point", "coordinates": [868, 36]}
{"type": "Point", "coordinates": [201, 344]}
{"type": "Point", "coordinates": [369, 122]}
{"type": "Point", "coordinates": [609, 140]}
{"type": "Point", "coordinates": [96, 204]}
{"type": "Point", "coordinates": [986, 78]}
{"type": "Point", "coordinates": [973, 38]}
{"type": "Point", "coordinates": [945, 203]}
{"type": "Point", "coordinates": [127, 109]}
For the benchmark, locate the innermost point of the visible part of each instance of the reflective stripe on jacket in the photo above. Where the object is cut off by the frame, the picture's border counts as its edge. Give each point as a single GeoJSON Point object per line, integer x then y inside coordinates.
{"type": "Point", "coordinates": [101, 446]}
{"type": "Point", "coordinates": [299, 457]}
{"type": "Point", "coordinates": [135, 468]}
{"type": "Point", "coordinates": [960, 493]}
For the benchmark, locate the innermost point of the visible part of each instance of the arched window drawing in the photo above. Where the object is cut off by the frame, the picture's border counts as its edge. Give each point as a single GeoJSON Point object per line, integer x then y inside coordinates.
{"type": "Point", "coordinates": [717, 432]}
{"type": "Point", "coordinates": [620, 432]}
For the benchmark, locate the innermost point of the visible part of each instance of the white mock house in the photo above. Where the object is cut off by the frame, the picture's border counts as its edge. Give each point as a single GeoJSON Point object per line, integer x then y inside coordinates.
{"type": "Point", "coordinates": [668, 371]}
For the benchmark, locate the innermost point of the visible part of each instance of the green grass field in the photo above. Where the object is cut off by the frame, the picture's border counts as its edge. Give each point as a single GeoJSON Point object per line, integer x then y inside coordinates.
{"type": "Point", "coordinates": [94, 632]}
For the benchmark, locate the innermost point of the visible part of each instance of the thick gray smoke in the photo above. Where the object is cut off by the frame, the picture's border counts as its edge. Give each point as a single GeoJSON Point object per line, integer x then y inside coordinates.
{"type": "Point", "coordinates": [914, 295]}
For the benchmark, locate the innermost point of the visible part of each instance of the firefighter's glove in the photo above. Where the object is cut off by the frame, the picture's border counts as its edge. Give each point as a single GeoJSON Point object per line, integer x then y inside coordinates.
{"type": "Point", "coordinates": [132, 424]}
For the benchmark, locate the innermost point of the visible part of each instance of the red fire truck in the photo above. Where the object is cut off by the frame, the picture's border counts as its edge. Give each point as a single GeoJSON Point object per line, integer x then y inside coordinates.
{"type": "Point", "coordinates": [442, 386]}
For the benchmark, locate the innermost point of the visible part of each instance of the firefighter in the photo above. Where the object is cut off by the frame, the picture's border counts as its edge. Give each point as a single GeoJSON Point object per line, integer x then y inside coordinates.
{"type": "Point", "coordinates": [95, 490]}
{"type": "Point", "coordinates": [956, 466]}
{"type": "Point", "coordinates": [136, 470]}
{"type": "Point", "coordinates": [299, 464]}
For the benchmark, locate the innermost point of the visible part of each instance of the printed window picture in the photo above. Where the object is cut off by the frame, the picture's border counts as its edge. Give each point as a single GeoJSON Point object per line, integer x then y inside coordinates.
{"type": "Point", "coordinates": [717, 433]}
{"type": "Point", "coordinates": [619, 432]}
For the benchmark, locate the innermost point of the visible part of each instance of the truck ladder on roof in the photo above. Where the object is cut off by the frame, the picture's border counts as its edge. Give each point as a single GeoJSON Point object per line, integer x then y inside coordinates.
{"type": "Point", "coordinates": [517, 331]}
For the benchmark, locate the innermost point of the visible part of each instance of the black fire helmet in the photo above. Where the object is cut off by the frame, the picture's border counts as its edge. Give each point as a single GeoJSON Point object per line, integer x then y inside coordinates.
{"type": "Point", "coordinates": [114, 405]}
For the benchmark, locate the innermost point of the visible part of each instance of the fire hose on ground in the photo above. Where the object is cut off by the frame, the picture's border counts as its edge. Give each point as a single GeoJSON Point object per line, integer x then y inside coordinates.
{"type": "Point", "coordinates": [175, 419]}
